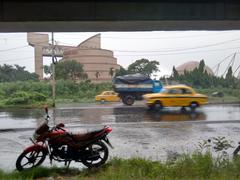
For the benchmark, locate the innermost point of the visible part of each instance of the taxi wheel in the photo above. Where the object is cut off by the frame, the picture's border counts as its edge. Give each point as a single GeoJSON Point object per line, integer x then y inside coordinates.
{"type": "Point", "coordinates": [102, 101]}
{"type": "Point", "coordinates": [193, 106]}
{"type": "Point", "coordinates": [183, 109]}
{"type": "Point", "coordinates": [151, 107]}
{"type": "Point", "coordinates": [158, 105]}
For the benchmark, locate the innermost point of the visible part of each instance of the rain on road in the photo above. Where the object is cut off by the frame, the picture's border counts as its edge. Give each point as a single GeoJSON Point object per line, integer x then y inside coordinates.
{"type": "Point", "coordinates": [137, 132]}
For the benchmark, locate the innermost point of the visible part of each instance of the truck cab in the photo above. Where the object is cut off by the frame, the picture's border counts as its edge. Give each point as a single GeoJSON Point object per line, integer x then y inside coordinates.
{"type": "Point", "coordinates": [157, 86]}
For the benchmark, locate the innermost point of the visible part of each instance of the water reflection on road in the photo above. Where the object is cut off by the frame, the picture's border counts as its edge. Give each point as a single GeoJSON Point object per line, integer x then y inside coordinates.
{"type": "Point", "coordinates": [125, 115]}
{"type": "Point", "coordinates": [110, 115]}
{"type": "Point", "coordinates": [137, 114]}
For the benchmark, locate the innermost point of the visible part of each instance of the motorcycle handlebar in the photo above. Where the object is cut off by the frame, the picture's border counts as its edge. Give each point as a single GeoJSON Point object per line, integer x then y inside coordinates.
{"type": "Point", "coordinates": [58, 126]}
{"type": "Point", "coordinates": [47, 116]}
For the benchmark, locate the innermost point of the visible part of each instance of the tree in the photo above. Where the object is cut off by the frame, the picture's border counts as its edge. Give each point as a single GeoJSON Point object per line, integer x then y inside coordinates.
{"type": "Point", "coordinates": [175, 73]}
{"type": "Point", "coordinates": [97, 74]}
{"type": "Point", "coordinates": [10, 73]}
{"type": "Point", "coordinates": [143, 66]}
{"type": "Point", "coordinates": [121, 72]}
{"type": "Point", "coordinates": [70, 70]}
{"type": "Point", "coordinates": [229, 74]}
{"type": "Point", "coordinates": [201, 66]}
{"type": "Point", "coordinates": [230, 78]}
{"type": "Point", "coordinates": [47, 69]}
{"type": "Point", "coordinates": [111, 72]}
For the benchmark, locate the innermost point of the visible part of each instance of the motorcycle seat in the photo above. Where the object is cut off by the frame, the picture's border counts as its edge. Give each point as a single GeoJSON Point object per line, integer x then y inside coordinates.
{"type": "Point", "coordinates": [86, 136]}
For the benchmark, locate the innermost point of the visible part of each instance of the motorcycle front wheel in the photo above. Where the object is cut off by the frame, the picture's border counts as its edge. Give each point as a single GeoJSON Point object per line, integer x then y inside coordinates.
{"type": "Point", "coordinates": [236, 153]}
{"type": "Point", "coordinates": [97, 155]}
{"type": "Point", "coordinates": [30, 159]}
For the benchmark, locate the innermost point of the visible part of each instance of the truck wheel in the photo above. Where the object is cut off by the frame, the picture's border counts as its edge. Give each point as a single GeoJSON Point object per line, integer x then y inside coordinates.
{"type": "Point", "coordinates": [123, 100]}
{"type": "Point", "coordinates": [128, 100]}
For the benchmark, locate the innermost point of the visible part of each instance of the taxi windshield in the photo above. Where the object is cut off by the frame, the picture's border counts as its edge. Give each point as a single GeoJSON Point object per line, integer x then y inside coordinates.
{"type": "Point", "coordinates": [164, 90]}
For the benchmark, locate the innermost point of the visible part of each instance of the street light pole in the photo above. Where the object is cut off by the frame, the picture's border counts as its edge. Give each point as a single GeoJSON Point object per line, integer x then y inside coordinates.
{"type": "Point", "coordinates": [53, 73]}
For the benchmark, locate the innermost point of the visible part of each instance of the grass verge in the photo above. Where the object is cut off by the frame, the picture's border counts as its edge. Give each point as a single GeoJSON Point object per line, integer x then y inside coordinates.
{"type": "Point", "coordinates": [195, 166]}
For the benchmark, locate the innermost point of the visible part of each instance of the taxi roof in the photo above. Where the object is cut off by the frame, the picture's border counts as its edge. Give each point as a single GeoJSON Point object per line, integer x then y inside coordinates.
{"type": "Point", "coordinates": [178, 86]}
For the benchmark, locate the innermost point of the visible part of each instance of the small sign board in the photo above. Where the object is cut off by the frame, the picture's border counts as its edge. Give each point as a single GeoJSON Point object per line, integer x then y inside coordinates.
{"type": "Point", "coordinates": [47, 51]}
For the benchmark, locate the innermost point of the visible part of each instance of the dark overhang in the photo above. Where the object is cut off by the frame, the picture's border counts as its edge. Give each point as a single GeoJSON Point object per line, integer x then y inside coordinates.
{"type": "Point", "coordinates": [118, 15]}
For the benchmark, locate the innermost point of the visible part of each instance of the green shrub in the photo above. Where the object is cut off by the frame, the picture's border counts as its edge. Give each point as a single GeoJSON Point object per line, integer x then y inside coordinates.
{"type": "Point", "coordinates": [19, 97]}
{"type": "Point", "coordinates": [17, 101]}
{"type": "Point", "coordinates": [35, 96]}
{"type": "Point", "coordinates": [22, 97]}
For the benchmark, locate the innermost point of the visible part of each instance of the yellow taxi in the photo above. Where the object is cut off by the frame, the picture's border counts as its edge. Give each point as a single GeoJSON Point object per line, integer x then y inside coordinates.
{"type": "Point", "coordinates": [107, 96]}
{"type": "Point", "coordinates": [176, 96]}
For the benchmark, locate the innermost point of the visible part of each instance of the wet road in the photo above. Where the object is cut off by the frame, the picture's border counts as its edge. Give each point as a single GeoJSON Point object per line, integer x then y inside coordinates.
{"type": "Point", "coordinates": [136, 131]}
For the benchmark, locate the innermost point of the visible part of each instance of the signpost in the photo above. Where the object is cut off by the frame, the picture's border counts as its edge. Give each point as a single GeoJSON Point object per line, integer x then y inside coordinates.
{"type": "Point", "coordinates": [53, 72]}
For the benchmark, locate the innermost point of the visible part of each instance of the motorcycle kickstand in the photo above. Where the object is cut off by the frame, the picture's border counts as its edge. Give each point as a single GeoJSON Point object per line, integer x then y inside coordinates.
{"type": "Point", "coordinates": [51, 159]}
{"type": "Point", "coordinates": [67, 163]}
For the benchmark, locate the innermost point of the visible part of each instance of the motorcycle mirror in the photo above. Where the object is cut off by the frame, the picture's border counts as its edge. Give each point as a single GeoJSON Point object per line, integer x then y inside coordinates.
{"type": "Point", "coordinates": [61, 125]}
{"type": "Point", "coordinates": [46, 109]}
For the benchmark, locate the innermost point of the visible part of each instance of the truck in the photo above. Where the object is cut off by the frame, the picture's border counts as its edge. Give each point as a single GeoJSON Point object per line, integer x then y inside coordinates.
{"type": "Point", "coordinates": [131, 87]}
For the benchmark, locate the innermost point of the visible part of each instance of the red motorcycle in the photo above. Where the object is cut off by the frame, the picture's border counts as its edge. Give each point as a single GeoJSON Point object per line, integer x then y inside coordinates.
{"type": "Point", "coordinates": [62, 146]}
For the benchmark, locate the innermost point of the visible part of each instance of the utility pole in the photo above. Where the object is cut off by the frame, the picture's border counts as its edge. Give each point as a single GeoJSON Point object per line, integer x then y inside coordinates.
{"type": "Point", "coordinates": [53, 73]}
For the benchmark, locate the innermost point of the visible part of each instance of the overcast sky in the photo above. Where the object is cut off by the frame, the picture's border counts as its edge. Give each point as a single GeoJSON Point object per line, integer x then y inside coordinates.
{"type": "Point", "coordinates": [168, 47]}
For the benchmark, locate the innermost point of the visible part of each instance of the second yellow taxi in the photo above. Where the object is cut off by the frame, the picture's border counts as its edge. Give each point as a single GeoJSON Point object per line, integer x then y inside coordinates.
{"type": "Point", "coordinates": [176, 96]}
{"type": "Point", "coordinates": [110, 96]}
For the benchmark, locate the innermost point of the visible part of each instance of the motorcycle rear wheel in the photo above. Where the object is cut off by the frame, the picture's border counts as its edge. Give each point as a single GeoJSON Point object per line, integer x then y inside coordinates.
{"type": "Point", "coordinates": [30, 159]}
{"type": "Point", "coordinates": [98, 155]}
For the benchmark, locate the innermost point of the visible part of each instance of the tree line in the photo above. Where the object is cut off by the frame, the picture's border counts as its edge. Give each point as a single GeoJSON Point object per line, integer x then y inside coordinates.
{"type": "Point", "coordinates": [199, 77]}
{"type": "Point", "coordinates": [9, 73]}
{"type": "Point", "coordinates": [73, 70]}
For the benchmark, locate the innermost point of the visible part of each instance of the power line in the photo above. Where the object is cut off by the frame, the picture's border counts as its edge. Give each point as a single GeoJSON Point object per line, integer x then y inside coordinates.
{"type": "Point", "coordinates": [184, 49]}
{"type": "Point", "coordinates": [224, 59]}
{"type": "Point", "coordinates": [236, 69]}
{"type": "Point", "coordinates": [20, 47]}
{"type": "Point", "coordinates": [160, 54]}
{"type": "Point", "coordinates": [230, 63]}
{"type": "Point", "coordinates": [18, 59]}
{"type": "Point", "coordinates": [145, 34]}
{"type": "Point", "coordinates": [153, 55]}
{"type": "Point", "coordinates": [145, 51]}
{"type": "Point", "coordinates": [171, 50]}
{"type": "Point", "coordinates": [159, 38]}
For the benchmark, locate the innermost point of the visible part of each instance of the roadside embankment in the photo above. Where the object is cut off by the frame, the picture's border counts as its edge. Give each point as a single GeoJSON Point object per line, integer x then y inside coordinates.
{"type": "Point", "coordinates": [196, 166]}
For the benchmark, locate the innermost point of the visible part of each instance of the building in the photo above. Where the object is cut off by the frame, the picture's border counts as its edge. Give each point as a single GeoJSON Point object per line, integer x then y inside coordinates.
{"type": "Point", "coordinates": [190, 66]}
{"type": "Point", "coordinates": [97, 62]}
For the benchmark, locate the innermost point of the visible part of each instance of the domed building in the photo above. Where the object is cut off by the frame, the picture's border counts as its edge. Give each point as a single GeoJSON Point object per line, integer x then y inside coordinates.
{"type": "Point", "coordinates": [190, 66]}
